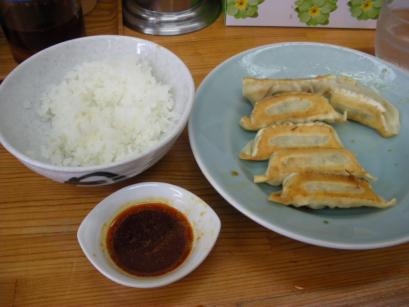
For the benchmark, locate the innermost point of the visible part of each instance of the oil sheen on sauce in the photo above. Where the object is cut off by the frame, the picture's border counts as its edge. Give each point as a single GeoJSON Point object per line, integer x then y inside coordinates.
{"type": "Point", "coordinates": [149, 239]}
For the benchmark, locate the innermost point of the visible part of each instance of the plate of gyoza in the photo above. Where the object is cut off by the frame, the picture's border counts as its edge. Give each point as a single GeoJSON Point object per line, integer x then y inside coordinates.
{"type": "Point", "coordinates": [309, 140]}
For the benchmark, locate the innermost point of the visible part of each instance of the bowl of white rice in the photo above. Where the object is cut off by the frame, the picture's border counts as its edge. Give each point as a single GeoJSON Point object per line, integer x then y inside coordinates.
{"type": "Point", "coordinates": [95, 110]}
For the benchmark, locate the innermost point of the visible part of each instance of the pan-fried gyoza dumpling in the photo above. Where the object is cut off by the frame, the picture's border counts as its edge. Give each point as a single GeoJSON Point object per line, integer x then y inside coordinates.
{"type": "Point", "coordinates": [364, 106]}
{"type": "Point", "coordinates": [296, 107]}
{"type": "Point", "coordinates": [345, 94]}
{"type": "Point", "coordinates": [334, 161]}
{"type": "Point", "coordinates": [256, 89]}
{"type": "Point", "coordinates": [318, 190]}
{"type": "Point", "coordinates": [289, 135]}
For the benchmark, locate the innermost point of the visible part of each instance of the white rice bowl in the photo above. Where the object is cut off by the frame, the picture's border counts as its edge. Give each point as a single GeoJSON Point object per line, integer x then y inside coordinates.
{"type": "Point", "coordinates": [104, 112]}
{"type": "Point", "coordinates": [98, 145]}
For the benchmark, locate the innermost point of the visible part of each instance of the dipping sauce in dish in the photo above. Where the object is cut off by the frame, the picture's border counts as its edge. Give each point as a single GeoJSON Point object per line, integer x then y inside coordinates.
{"type": "Point", "coordinates": [149, 239]}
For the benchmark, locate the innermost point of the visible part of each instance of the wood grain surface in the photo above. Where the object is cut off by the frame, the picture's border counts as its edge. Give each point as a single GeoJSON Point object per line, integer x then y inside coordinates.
{"type": "Point", "coordinates": [41, 262]}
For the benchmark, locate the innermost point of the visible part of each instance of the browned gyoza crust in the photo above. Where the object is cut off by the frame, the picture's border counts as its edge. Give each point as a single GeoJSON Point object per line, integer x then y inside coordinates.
{"type": "Point", "coordinates": [320, 190]}
{"type": "Point", "coordinates": [345, 94]}
{"type": "Point", "coordinates": [335, 161]}
{"type": "Point", "coordinates": [296, 107]}
{"type": "Point", "coordinates": [289, 135]}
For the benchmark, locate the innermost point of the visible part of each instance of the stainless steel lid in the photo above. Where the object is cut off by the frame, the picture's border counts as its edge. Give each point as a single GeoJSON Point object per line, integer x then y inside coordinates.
{"type": "Point", "coordinates": [170, 17]}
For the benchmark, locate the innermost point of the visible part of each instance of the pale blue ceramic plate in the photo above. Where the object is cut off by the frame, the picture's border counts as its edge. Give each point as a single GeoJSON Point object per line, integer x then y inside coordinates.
{"type": "Point", "coordinates": [216, 139]}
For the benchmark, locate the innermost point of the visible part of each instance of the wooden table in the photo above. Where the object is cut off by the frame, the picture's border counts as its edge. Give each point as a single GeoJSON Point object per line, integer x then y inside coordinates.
{"type": "Point", "coordinates": [41, 262]}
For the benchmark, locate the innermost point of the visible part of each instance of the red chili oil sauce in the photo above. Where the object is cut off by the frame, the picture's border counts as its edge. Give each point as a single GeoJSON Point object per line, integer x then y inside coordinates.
{"type": "Point", "coordinates": [149, 239]}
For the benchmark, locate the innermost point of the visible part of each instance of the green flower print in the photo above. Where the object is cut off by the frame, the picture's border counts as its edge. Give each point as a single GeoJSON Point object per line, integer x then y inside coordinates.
{"type": "Point", "coordinates": [315, 12]}
{"type": "Point", "coordinates": [365, 9]}
{"type": "Point", "coordinates": [243, 8]}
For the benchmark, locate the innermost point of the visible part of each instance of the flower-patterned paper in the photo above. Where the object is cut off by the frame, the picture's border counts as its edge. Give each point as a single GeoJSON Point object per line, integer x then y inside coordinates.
{"type": "Point", "coordinates": [304, 13]}
{"type": "Point", "coordinates": [315, 12]}
{"type": "Point", "coordinates": [243, 8]}
{"type": "Point", "coordinates": [365, 9]}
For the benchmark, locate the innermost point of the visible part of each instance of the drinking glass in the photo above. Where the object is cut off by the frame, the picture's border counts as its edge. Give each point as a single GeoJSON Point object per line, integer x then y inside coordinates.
{"type": "Point", "coordinates": [392, 33]}
{"type": "Point", "coordinates": [32, 25]}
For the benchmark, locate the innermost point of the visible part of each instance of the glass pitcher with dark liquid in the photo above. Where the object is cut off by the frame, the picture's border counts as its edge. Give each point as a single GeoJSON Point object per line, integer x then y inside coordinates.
{"type": "Point", "coordinates": [32, 25]}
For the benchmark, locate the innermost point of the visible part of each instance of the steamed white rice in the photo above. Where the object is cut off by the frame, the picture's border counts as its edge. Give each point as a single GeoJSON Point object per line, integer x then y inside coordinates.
{"type": "Point", "coordinates": [105, 111]}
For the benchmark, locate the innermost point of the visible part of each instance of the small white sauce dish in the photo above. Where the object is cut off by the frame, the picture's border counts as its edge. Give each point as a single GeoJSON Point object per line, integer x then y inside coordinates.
{"type": "Point", "coordinates": [204, 221]}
